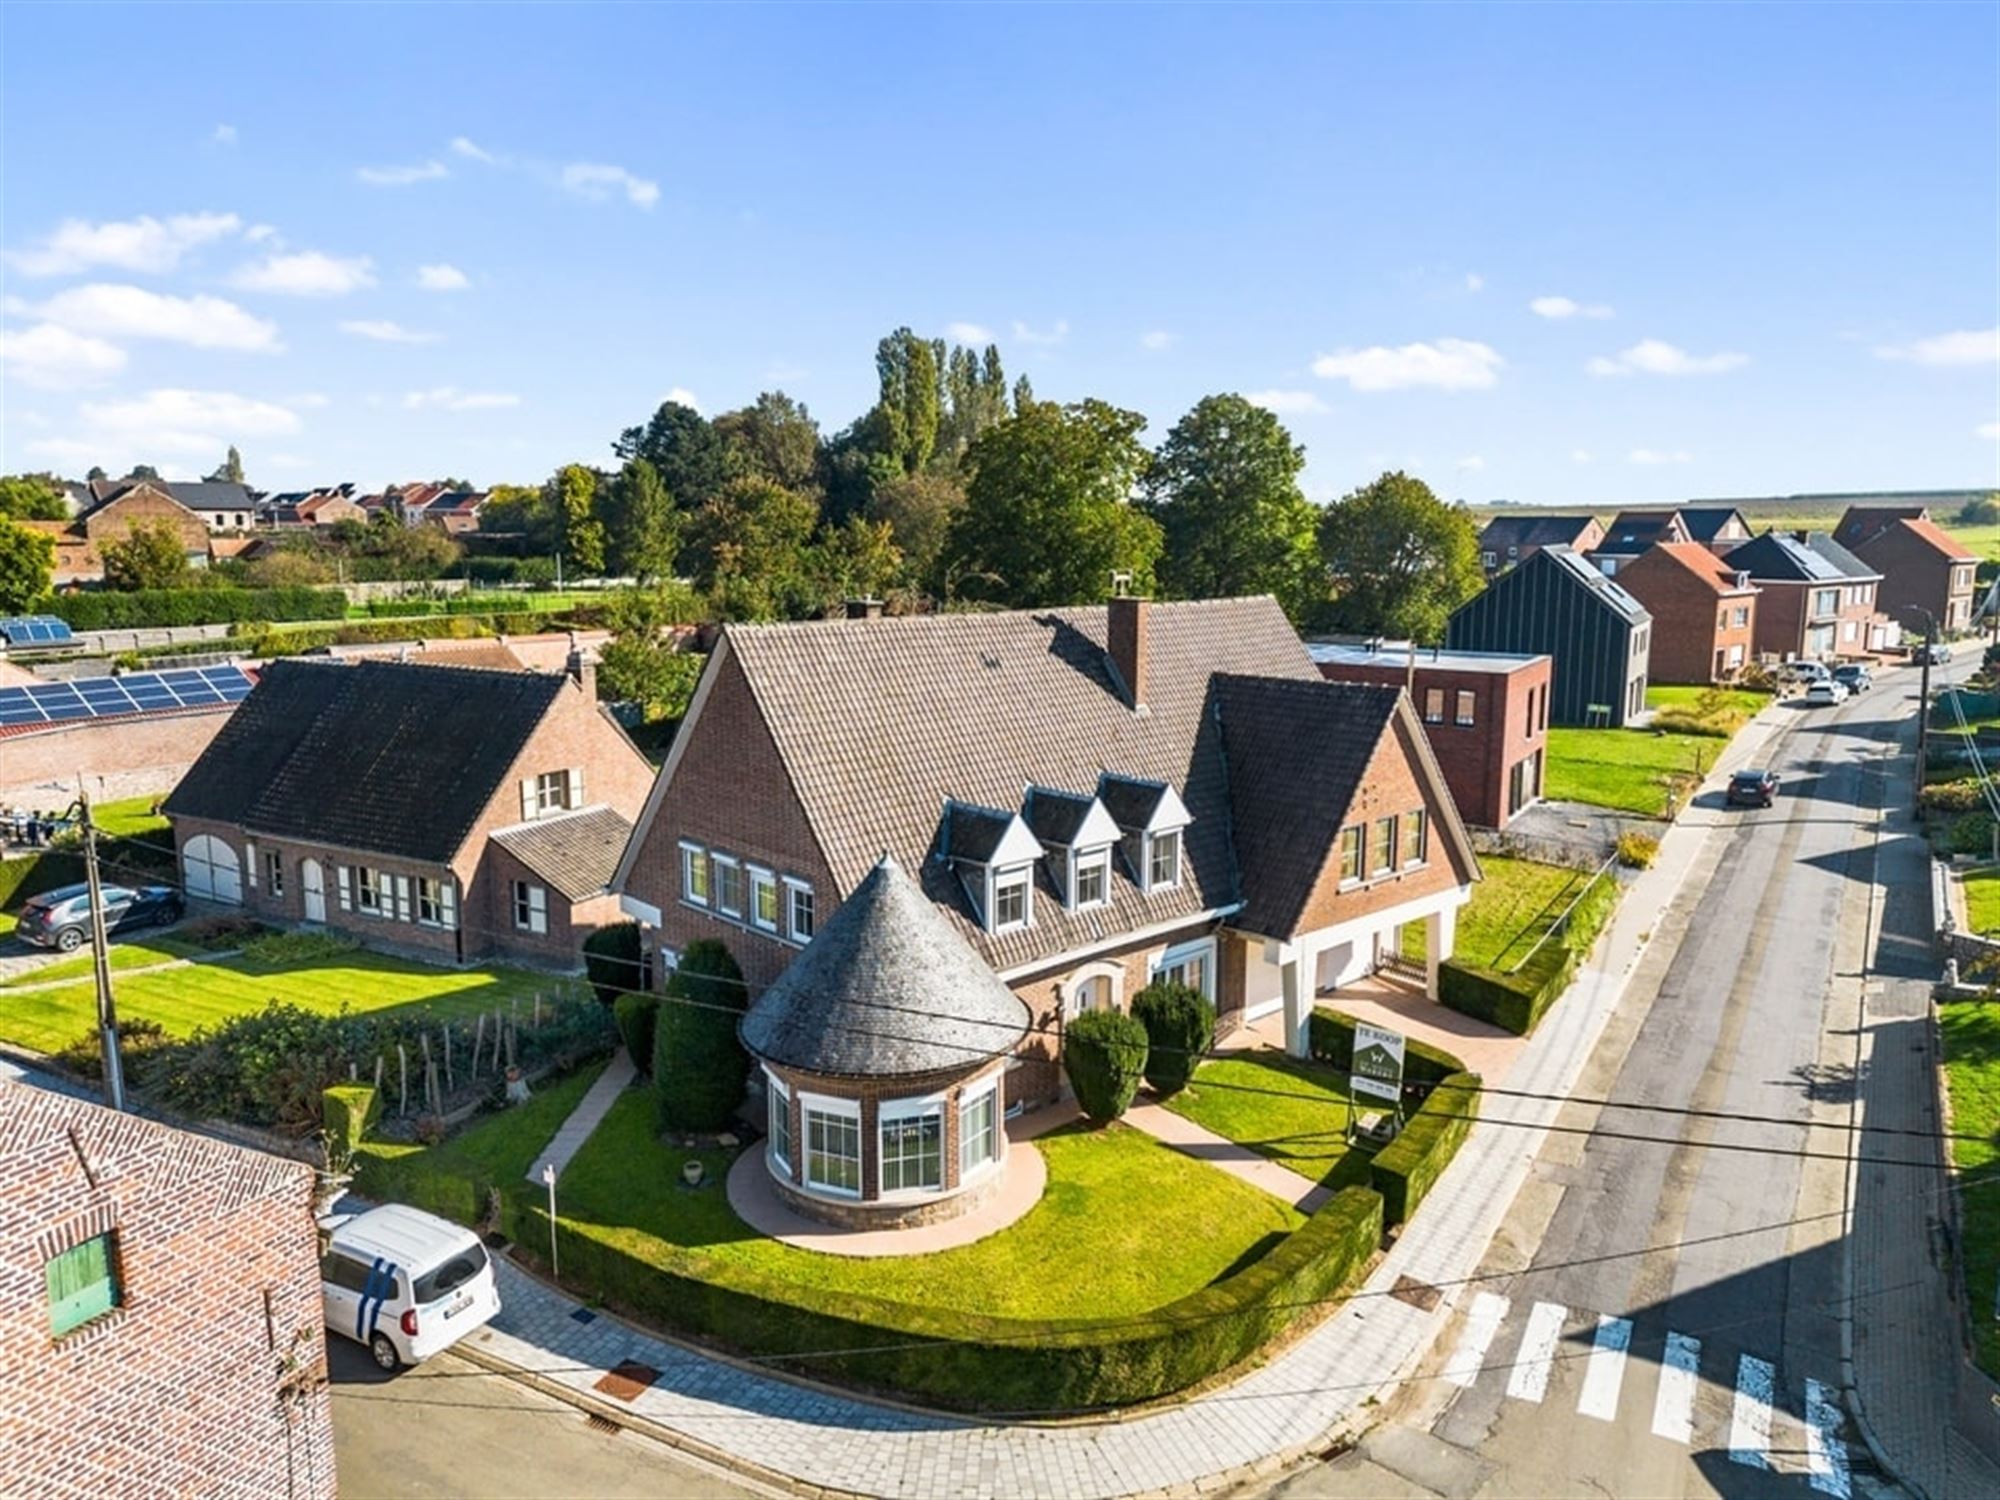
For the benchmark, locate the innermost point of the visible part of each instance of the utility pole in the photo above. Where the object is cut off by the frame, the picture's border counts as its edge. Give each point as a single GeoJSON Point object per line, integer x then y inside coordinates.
{"type": "Point", "coordinates": [100, 952]}
{"type": "Point", "coordinates": [1924, 703]}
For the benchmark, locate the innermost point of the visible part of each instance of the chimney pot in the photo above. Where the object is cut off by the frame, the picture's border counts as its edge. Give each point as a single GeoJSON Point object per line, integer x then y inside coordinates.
{"type": "Point", "coordinates": [583, 667]}
{"type": "Point", "coordinates": [1127, 642]}
{"type": "Point", "coordinates": [864, 609]}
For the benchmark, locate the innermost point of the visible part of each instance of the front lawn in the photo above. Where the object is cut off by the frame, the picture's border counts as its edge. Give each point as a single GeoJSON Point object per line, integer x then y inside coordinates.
{"type": "Point", "coordinates": [205, 993]}
{"type": "Point", "coordinates": [1627, 769]}
{"type": "Point", "coordinates": [1511, 907]}
{"type": "Point", "coordinates": [499, 1148]}
{"type": "Point", "coordinates": [1982, 899]}
{"type": "Point", "coordinates": [1291, 1111]}
{"type": "Point", "coordinates": [139, 955]}
{"type": "Point", "coordinates": [1678, 696]}
{"type": "Point", "coordinates": [131, 818]}
{"type": "Point", "coordinates": [1971, 1034]}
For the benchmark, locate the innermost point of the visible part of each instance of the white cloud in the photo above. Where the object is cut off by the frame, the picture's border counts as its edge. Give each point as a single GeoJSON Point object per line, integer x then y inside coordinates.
{"type": "Point", "coordinates": [1156, 340]}
{"type": "Point", "coordinates": [462, 147]}
{"type": "Point", "coordinates": [403, 176]}
{"type": "Point", "coordinates": [451, 398]}
{"type": "Point", "coordinates": [680, 395]}
{"type": "Point", "coordinates": [203, 322]}
{"type": "Point", "coordinates": [1055, 333]}
{"type": "Point", "coordinates": [1655, 357]}
{"type": "Point", "coordinates": [1446, 365]}
{"type": "Point", "coordinates": [598, 181]}
{"type": "Point", "coordinates": [385, 332]}
{"type": "Point", "coordinates": [968, 333]}
{"type": "Point", "coordinates": [1474, 282]}
{"type": "Point", "coordinates": [1963, 347]}
{"type": "Point", "coordinates": [1654, 456]}
{"type": "Point", "coordinates": [1285, 403]}
{"type": "Point", "coordinates": [142, 244]}
{"type": "Point", "coordinates": [1579, 455]}
{"type": "Point", "coordinates": [1566, 307]}
{"type": "Point", "coordinates": [442, 277]}
{"type": "Point", "coordinates": [1988, 430]}
{"type": "Point", "coordinates": [1472, 463]}
{"type": "Point", "coordinates": [309, 273]}
{"type": "Point", "coordinates": [183, 421]}
{"type": "Point", "coordinates": [257, 234]}
{"type": "Point", "coordinates": [224, 135]}
{"type": "Point", "coordinates": [52, 357]}
{"type": "Point", "coordinates": [283, 461]}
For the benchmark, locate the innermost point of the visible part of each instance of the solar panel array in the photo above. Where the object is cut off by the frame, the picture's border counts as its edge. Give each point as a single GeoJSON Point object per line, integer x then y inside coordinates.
{"type": "Point", "coordinates": [134, 693]}
{"type": "Point", "coordinates": [33, 630]}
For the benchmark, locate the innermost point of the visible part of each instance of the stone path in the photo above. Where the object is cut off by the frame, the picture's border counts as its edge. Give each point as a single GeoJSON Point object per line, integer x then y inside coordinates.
{"type": "Point", "coordinates": [587, 1116]}
{"type": "Point", "coordinates": [1170, 1129]}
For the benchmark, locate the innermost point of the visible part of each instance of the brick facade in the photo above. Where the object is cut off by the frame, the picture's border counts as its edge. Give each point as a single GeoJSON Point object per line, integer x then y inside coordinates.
{"type": "Point", "coordinates": [1704, 623]}
{"type": "Point", "coordinates": [209, 1376]}
{"type": "Point", "coordinates": [1793, 620]}
{"type": "Point", "coordinates": [1922, 569]}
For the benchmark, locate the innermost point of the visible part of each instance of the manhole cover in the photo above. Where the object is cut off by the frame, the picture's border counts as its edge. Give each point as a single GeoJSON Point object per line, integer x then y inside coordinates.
{"type": "Point", "coordinates": [1417, 1293]}
{"type": "Point", "coordinates": [627, 1380]}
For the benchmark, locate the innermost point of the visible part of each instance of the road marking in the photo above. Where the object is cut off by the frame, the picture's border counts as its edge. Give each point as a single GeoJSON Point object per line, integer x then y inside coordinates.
{"type": "Point", "coordinates": [1537, 1355]}
{"type": "Point", "coordinates": [1606, 1370]}
{"type": "Point", "coordinates": [1750, 1416]}
{"type": "Point", "coordinates": [1826, 1454]}
{"type": "Point", "coordinates": [1482, 1321]}
{"type": "Point", "coordinates": [1673, 1407]}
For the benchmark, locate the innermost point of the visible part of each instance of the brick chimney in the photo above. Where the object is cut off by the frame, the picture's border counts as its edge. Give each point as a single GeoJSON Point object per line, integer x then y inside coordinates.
{"type": "Point", "coordinates": [1128, 645]}
{"type": "Point", "coordinates": [864, 609]}
{"type": "Point", "coordinates": [583, 667]}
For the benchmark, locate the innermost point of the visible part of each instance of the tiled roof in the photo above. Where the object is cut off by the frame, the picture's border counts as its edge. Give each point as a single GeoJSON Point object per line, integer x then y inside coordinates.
{"type": "Point", "coordinates": [886, 989]}
{"type": "Point", "coordinates": [1798, 557]}
{"type": "Point", "coordinates": [1940, 539]}
{"type": "Point", "coordinates": [383, 757]}
{"type": "Point", "coordinates": [576, 853]}
{"type": "Point", "coordinates": [1705, 522]}
{"type": "Point", "coordinates": [1719, 574]}
{"type": "Point", "coordinates": [1524, 532]}
{"type": "Point", "coordinates": [1633, 531]}
{"type": "Point", "coordinates": [1858, 523]}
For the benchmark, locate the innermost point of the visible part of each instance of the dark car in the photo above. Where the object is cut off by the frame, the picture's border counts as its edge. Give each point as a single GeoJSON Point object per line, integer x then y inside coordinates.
{"type": "Point", "coordinates": [1938, 652]}
{"type": "Point", "coordinates": [1753, 789]}
{"type": "Point", "coordinates": [61, 918]}
{"type": "Point", "coordinates": [1853, 676]}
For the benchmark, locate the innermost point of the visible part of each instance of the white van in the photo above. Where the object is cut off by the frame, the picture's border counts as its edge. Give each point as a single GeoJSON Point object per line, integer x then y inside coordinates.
{"type": "Point", "coordinates": [404, 1282]}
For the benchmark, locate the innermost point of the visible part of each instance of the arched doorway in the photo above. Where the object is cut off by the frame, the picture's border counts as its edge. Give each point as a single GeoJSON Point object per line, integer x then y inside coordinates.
{"type": "Point", "coordinates": [212, 870]}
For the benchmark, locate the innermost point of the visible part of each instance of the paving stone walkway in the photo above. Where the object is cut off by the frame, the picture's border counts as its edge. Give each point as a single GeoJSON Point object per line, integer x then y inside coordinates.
{"type": "Point", "coordinates": [1181, 1133]}
{"type": "Point", "coordinates": [587, 1116]}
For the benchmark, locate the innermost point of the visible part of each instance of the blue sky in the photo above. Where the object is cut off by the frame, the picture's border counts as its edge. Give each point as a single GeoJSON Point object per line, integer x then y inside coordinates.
{"type": "Point", "coordinates": [1561, 254]}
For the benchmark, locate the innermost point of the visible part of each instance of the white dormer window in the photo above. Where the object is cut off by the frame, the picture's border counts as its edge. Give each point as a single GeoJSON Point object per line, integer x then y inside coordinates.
{"type": "Point", "coordinates": [1151, 818]}
{"type": "Point", "coordinates": [1163, 860]}
{"type": "Point", "coordinates": [1090, 879]}
{"type": "Point", "coordinates": [994, 855]}
{"type": "Point", "coordinates": [1013, 899]}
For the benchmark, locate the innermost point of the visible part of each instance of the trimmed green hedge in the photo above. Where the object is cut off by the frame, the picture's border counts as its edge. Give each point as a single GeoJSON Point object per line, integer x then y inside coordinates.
{"type": "Point", "coordinates": [1104, 1053]}
{"type": "Point", "coordinates": [1405, 1170]}
{"type": "Point", "coordinates": [31, 874]}
{"type": "Point", "coordinates": [1180, 1028]}
{"type": "Point", "coordinates": [346, 1111]}
{"type": "Point", "coordinates": [978, 1363]}
{"type": "Point", "coordinates": [1330, 1039]}
{"type": "Point", "coordinates": [1516, 1002]}
{"type": "Point", "coordinates": [146, 609]}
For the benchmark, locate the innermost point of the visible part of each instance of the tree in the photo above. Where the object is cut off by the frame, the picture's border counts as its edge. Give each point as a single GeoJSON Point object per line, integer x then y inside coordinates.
{"type": "Point", "coordinates": [647, 530]}
{"type": "Point", "coordinates": [859, 560]}
{"type": "Point", "coordinates": [908, 410]}
{"type": "Point", "coordinates": [685, 451]}
{"type": "Point", "coordinates": [1048, 515]}
{"type": "Point", "coordinates": [96, 472]}
{"type": "Point", "coordinates": [27, 565]}
{"type": "Point", "coordinates": [575, 506]}
{"type": "Point", "coordinates": [527, 510]}
{"type": "Point", "coordinates": [699, 1067]}
{"type": "Point", "coordinates": [149, 556]}
{"type": "Point", "coordinates": [747, 550]}
{"type": "Point", "coordinates": [1104, 1054]}
{"type": "Point", "coordinates": [975, 398]}
{"type": "Point", "coordinates": [289, 567]}
{"type": "Point", "coordinates": [1180, 1027]}
{"type": "Point", "coordinates": [920, 511]}
{"type": "Point", "coordinates": [642, 662]}
{"type": "Point", "coordinates": [32, 497]}
{"type": "Point", "coordinates": [142, 471]}
{"type": "Point", "coordinates": [774, 438]}
{"type": "Point", "coordinates": [1225, 489]}
{"type": "Point", "coordinates": [231, 470]}
{"type": "Point", "coordinates": [1981, 510]}
{"type": "Point", "coordinates": [1400, 560]}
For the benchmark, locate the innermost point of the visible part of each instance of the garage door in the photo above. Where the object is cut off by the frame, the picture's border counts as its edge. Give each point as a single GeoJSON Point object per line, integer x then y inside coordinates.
{"type": "Point", "coordinates": [211, 870]}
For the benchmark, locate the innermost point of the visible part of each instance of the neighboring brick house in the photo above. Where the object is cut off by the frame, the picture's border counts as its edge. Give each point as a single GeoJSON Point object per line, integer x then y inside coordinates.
{"type": "Point", "coordinates": [1922, 568]}
{"type": "Point", "coordinates": [161, 1330]}
{"type": "Point", "coordinates": [1508, 540]}
{"type": "Point", "coordinates": [1716, 527]}
{"type": "Point", "coordinates": [1557, 605]}
{"type": "Point", "coordinates": [1092, 797]}
{"type": "Point", "coordinates": [81, 539]}
{"type": "Point", "coordinates": [1486, 713]}
{"type": "Point", "coordinates": [456, 812]}
{"type": "Point", "coordinates": [1704, 611]}
{"type": "Point", "coordinates": [1815, 598]}
{"type": "Point", "coordinates": [1631, 533]}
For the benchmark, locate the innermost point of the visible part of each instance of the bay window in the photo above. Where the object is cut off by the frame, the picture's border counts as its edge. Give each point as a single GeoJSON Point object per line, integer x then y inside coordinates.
{"type": "Point", "coordinates": [978, 1131]}
{"type": "Point", "coordinates": [779, 1102]}
{"type": "Point", "coordinates": [832, 1129]}
{"type": "Point", "coordinates": [911, 1137]}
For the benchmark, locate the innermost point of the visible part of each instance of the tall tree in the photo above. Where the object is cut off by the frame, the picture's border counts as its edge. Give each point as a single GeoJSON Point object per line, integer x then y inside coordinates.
{"type": "Point", "coordinates": [27, 564]}
{"type": "Point", "coordinates": [642, 662]}
{"type": "Point", "coordinates": [975, 398]}
{"type": "Point", "coordinates": [859, 560]}
{"type": "Point", "coordinates": [575, 505]}
{"type": "Point", "coordinates": [920, 511]}
{"type": "Point", "coordinates": [143, 471]}
{"type": "Point", "coordinates": [647, 529]}
{"type": "Point", "coordinates": [773, 438]}
{"type": "Point", "coordinates": [149, 556]}
{"type": "Point", "coordinates": [1400, 560]}
{"type": "Point", "coordinates": [908, 408]}
{"type": "Point", "coordinates": [96, 472]}
{"type": "Point", "coordinates": [747, 549]}
{"type": "Point", "coordinates": [32, 497]}
{"type": "Point", "coordinates": [231, 469]}
{"type": "Point", "coordinates": [1225, 489]}
{"type": "Point", "coordinates": [1048, 516]}
{"type": "Point", "coordinates": [524, 510]}
{"type": "Point", "coordinates": [685, 451]}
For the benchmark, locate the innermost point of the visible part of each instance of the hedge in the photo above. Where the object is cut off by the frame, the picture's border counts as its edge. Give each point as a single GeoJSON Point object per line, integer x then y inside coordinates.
{"type": "Point", "coordinates": [1515, 1002]}
{"type": "Point", "coordinates": [1104, 1053]}
{"type": "Point", "coordinates": [638, 1017]}
{"type": "Point", "coordinates": [31, 874]}
{"type": "Point", "coordinates": [1405, 1170]}
{"type": "Point", "coordinates": [145, 609]}
{"type": "Point", "coordinates": [964, 1361]}
{"type": "Point", "coordinates": [346, 1111]}
{"type": "Point", "coordinates": [1330, 1039]}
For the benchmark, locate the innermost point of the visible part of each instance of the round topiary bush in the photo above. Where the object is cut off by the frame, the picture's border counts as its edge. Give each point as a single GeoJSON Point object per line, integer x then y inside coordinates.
{"type": "Point", "coordinates": [614, 958]}
{"type": "Point", "coordinates": [637, 1016]}
{"type": "Point", "coordinates": [1180, 1026]}
{"type": "Point", "coordinates": [1104, 1054]}
{"type": "Point", "coordinates": [699, 1067]}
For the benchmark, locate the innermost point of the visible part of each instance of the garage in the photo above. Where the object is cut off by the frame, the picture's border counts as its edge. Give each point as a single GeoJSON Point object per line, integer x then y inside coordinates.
{"type": "Point", "coordinates": [211, 870]}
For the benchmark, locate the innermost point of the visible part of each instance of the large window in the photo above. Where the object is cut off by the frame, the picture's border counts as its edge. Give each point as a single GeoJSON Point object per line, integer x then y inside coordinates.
{"type": "Point", "coordinates": [694, 874]}
{"type": "Point", "coordinates": [531, 907]}
{"type": "Point", "coordinates": [1467, 702]}
{"type": "Point", "coordinates": [1434, 704]}
{"type": "Point", "coordinates": [1416, 837]}
{"type": "Point", "coordinates": [833, 1144]}
{"type": "Point", "coordinates": [912, 1141]}
{"type": "Point", "coordinates": [780, 1104]}
{"type": "Point", "coordinates": [368, 889]}
{"type": "Point", "coordinates": [1011, 900]}
{"type": "Point", "coordinates": [1826, 602]}
{"type": "Point", "coordinates": [728, 886]}
{"type": "Point", "coordinates": [83, 1284]}
{"type": "Point", "coordinates": [1383, 854]}
{"type": "Point", "coordinates": [978, 1131]}
{"type": "Point", "coordinates": [274, 873]}
{"type": "Point", "coordinates": [1093, 879]}
{"type": "Point", "coordinates": [437, 903]}
{"type": "Point", "coordinates": [1191, 964]}
{"type": "Point", "coordinates": [1163, 860]}
{"type": "Point", "coordinates": [799, 912]}
{"type": "Point", "coordinates": [764, 899]}
{"type": "Point", "coordinates": [1350, 852]}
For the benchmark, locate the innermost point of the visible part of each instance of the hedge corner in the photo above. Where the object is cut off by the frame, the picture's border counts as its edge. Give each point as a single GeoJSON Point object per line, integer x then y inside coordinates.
{"type": "Point", "coordinates": [1407, 1168]}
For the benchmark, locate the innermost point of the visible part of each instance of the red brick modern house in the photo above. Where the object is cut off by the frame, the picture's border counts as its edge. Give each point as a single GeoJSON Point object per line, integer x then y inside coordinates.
{"type": "Point", "coordinates": [1922, 568]}
{"type": "Point", "coordinates": [1815, 598]}
{"type": "Point", "coordinates": [1507, 540]}
{"type": "Point", "coordinates": [160, 1317]}
{"type": "Point", "coordinates": [454, 812]}
{"type": "Point", "coordinates": [1704, 612]}
{"type": "Point", "coordinates": [1486, 714]}
{"type": "Point", "coordinates": [1091, 797]}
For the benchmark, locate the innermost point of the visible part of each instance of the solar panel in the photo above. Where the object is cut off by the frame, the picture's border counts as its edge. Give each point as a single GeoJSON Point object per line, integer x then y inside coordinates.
{"type": "Point", "coordinates": [112, 697]}
{"type": "Point", "coordinates": [24, 630]}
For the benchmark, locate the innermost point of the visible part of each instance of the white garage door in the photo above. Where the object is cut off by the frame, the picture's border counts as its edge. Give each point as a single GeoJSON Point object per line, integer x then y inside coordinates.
{"type": "Point", "coordinates": [212, 870]}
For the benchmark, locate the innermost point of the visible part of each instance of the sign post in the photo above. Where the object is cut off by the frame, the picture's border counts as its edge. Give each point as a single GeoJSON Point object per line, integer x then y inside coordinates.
{"type": "Point", "coordinates": [1376, 1070]}
{"type": "Point", "coordinates": [549, 1176]}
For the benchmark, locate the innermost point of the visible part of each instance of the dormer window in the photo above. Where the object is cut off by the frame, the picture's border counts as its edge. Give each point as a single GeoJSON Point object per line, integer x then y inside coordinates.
{"type": "Point", "coordinates": [1077, 836]}
{"type": "Point", "coordinates": [1163, 860]}
{"type": "Point", "coordinates": [1013, 899]}
{"type": "Point", "coordinates": [1091, 884]}
{"type": "Point", "coordinates": [1151, 819]}
{"type": "Point", "coordinates": [994, 855]}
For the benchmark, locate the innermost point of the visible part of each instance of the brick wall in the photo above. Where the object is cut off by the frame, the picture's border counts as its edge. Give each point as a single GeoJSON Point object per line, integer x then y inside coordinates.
{"type": "Point", "coordinates": [163, 744]}
{"type": "Point", "coordinates": [1915, 574]}
{"type": "Point", "coordinates": [210, 1377]}
{"type": "Point", "coordinates": [1691, 622]}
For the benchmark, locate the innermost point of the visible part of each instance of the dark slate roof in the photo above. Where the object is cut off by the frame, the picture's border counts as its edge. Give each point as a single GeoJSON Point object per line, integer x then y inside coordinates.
{"type": "Point", "coordinates": [1131, 801]}
{"type": "Point", "coordinates": [1607, 593]}
{"type": "Point", "coordinates": [887, 989]}
{"type": "Point", "coordinates": [576, 853]}
{"type": "Point", "coordinates": [1524, 532]}
{"type": "Point", "coordinates": [1633, 531]}
{"type": "Point", "coordinates": [1705, 522]}
{"type": "Point", "coordinates": [380, 757]}
{"type": "Point", "coordinates": [1798, 557]}
{"type": "Point", "coordinates": [1055, 817]}
{"type": "Point", "coordinates": [208, 494]}
{"type": "Point", "coordinates": [1858, 523]}
{"type": "Point", "coordinates": [975, 832]}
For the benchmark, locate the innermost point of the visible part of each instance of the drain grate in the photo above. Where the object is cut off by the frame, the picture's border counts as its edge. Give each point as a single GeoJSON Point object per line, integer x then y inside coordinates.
{"type": "Point", "coordinates": [598, 1423]}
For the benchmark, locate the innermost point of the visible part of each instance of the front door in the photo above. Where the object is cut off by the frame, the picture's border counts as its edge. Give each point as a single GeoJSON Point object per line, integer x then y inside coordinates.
{"type": "Point", "coordinates": [312, 881]}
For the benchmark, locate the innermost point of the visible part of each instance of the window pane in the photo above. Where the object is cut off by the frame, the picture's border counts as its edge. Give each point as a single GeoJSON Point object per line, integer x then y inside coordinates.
{"type": "Point", "coordinates": [833, 1151]}
{"type": "Point", "coordinates": [1166, 860]}
{"type": "Point", "coordinates": [802, 912]}
{"type": "Point", "coordinates": [82, 1284]}
{"type": "Point", "coordinates": [977, 1131]}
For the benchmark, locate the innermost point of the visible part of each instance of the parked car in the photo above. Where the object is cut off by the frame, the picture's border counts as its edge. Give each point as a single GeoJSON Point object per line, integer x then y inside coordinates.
{"type": "Point", "coordinates": [1825, 693]}
{"type": "Point", "coordinates": [60, 918]}
{"type": "Point", "coordinates": [1749, 788]}
{"type": "Point", "coordinates": [1853, 676]}
{"type": "Point", "coordinates": [1804, 671]}
{"type": "Point", "coordinates": [1938, 652]}
{"type": "Point", "coordinates": [404, 1282]}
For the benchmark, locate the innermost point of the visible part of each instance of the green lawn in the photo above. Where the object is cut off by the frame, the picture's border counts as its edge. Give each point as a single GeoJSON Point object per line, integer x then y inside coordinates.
{"type": "Point", "coordinates": [139, 955]}
{"type": "Point", "coordinates": [1291, 1111]}
{"type": "Point", "coordinates": [133, 817]}
{"type": "Point", "coordinates": [1125, 1225]}
{"type": "Point", "coordinates": [1971, 1034]}
{"type": "Point", "coordinates": [501, 1146]}
{"type": "Point", "coordinates": [1510, 909]}
{"type": "Point", "coordinates": [1626, 769]}
{"type": "Point", "coordinates": [203, 994]}
{"type": "Point", "coordinates": [1742, 700]}
{"type": "Point", "coordinates": [1982, 899]}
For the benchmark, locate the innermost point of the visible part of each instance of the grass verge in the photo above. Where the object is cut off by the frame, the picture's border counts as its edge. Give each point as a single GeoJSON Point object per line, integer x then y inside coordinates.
{"type": "Point", "coordinates": [1971, 1033]}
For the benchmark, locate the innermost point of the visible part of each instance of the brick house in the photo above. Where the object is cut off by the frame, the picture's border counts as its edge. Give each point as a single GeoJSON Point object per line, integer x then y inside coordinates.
{"type": "Point", "coordinates": [453, 812]}
{"type": "Point", "coordinates": [81, 539]}
{"type": "Point", "coordinates": [160, 1317]}
{"type": "Point", "coordinates": [1716, 527]}
{"type": "Point", "coordinates": [1091, 797]}
{"type": "Point", "coordinates": [1486, 714]}
{"type": "Point", "coordinates": [1704, 611]}
{"type": "Point", "coordinates": [1922, 568]}
{"type": "Point", "coordinates": [1508, 540]}
{"type": "Point", "coordinates": [1815, 598]}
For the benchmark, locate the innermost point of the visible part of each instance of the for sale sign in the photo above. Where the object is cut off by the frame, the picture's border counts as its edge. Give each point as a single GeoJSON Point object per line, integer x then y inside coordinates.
{"type": "Point", "coordinates": [1377, 1070]}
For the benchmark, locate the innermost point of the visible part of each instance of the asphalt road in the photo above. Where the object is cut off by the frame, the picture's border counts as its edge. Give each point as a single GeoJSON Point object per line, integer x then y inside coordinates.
{"type": "Point", "coordinates": [450, 1428]}
{"type": "Point", "coordinates": [1664, 1314]}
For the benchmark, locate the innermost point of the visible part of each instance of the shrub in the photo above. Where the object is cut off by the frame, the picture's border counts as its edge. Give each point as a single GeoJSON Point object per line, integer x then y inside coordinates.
{"type": "Point", "coordinates": [1104, 1054]}
{"type": "Point", "coordinates": [1330, 1039]}
{"type": "Point", "coordinates": [143, 609]}
{"type": "Point", "coordinates": [638, 1018]}
{"type": "Point", "coordinates": [346, 1111]}
{"type": "Point", "coordinates": [30, 874]}
{"type": "Point", "coordinates": [1971, 834]}
{"type": "Point", "coordinates": [279, 950]}
{"type": "Point", "coordinates": [1637, 851]}
{"type": "Point", "coordinates": [222, 932]}
{"type": "Point", "coordinates": [699, 1067]}
{"type": "Point", "coordinates": [1405, 1170]}
{"type": "Point", "coordinates": [1953, 796]}
{"type": "Point", "coordinates": [138, 1038]}
{"type": "Point", "coordinates": [614, 958]}
{"type": "Point", "coordinates": [1180, 1027]}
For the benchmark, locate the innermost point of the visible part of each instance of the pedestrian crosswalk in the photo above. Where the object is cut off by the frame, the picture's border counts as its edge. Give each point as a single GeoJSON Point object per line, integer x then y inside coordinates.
{"type": "Point", "coordinates": [1527, 1364]}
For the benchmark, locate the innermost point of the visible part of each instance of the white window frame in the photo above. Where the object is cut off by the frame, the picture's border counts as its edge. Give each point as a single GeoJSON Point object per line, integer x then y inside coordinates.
{"type": "Point", "coordinates": [1374, 864]}
{"type": "Point", "coordinates": [1098, 860]}
{"type": "Point", "coordinates": [441, 896]}
{"type": "Point", "coordinates": [986, 1093]}
{"type": "Point", "coordinates": [695, 857]}
{"type": "Point", "coordinates": [778, 1120]}
{"type": "Point", "coordinates": [1465, 709]}
{"type": "Point", "coordinates": [1359, 833]}
{"type": "Point", "coordinates": [1418, 822]}
{"type": "Point", "coordinates": [250, 860]}
{"type": "Point", "coordinates": [762, 880]}
{"type": "Point", "coordinates": [796, 889]}
{"type": "Point", "coordinates": [343, 879]}
{"type": "Point", "coordinates": [888, 1112]}
{"type": "Point", "coordinates": [526, 896]}
{"type": "Point", "coordinates": [551, 792]}
{"type": "Point", "coordinates": [832, 1109]}
{"type": "Point", "coordinates": [719, 863]}
{"type": "Point", "coordinates": [1153, 843]}
{"type": "Point", "coordinates": [1014, 877]}
{"type": "Point", "coordinates": [368, 890]}
{"type": "Point", "coordinates": [1180, 955]}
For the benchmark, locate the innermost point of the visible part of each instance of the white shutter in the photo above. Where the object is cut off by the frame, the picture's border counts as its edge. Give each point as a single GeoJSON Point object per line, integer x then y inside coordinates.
{"type": "Point", "coordinates": [576, 786]}
{"type": "Point", "coordinates": [345, 876]}
{"type": "Point", "coordinates": [448, 904]}
{"type": "Point", "coordinates": [527, 798]}
{"type": "Point", "coordinates": [402, 897]}
{"type": "Point", "coordinates": [250, 861]}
